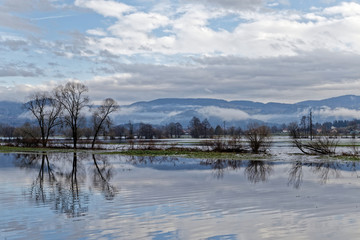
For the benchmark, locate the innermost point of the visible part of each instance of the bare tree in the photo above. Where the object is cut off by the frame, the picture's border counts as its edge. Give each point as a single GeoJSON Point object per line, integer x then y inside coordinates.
{"type": "Point", "coordinates": [146, 131]}
{"type": "Point", "coordinates": [259, 137]}
{"type": "Point", "coordinates": [294, 130]}
{"type": "Point", "coordinates": [320, 145]}
{"type": "Point", "coordinates": [205, 127]}
{"type": "Point", "coordinates": [72, 98]}
{"type": "Point", "coordinates": [47, 112]}
{"type": "Point", "coordinates": [219, 131]}
{"type": "Point", "coordinates": [27, 135]}
{"type": "Point", "coordinates": [7, 131]}
{"type": "Point", "coordinates": [195, 127]}
{"type": "Point", "coordinates": [174, 130]}
{"type": "Point", "coordinates": [221, 144]}
{"type": "Point", "coordinates": [100, 117]}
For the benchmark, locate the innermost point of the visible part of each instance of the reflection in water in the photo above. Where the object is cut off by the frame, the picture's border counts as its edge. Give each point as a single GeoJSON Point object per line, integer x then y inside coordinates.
{"type": "Point", "coordinates": [160, 201]}
{"type": "Point", "coordinates": [37, 188]}
{"type": "Point", "coordinates": [60, 187]}
{"type": "Point", "coordinates": [326, 169]}
{"type": "Point", "coordinates": [70, 200]}
{"type": "Point", "coordinates": [219, 166]}
{"type": "Point", "coordinates": [26, 160]}
{"type": "Point", "coordinates": [101, 176]}
{"type": "Point", "coordinates": [60, 181]}
{"type": "Point", "coordinates": [258, 171]}
{"type": "Point", "coordinates": [296, 174]}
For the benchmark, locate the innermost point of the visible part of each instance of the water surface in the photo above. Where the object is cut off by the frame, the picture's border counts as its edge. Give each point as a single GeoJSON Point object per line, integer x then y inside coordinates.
{"type": "Point", "coordinates": [84, 196]}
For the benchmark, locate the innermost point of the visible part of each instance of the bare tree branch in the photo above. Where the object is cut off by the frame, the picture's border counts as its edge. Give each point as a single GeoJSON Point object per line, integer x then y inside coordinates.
{"type": "Point", "coordinates": [72, 99]}
{"type": "Point", "coordinates": [47, 111]}
{"type": "Point", "coordinates": [100, 117]}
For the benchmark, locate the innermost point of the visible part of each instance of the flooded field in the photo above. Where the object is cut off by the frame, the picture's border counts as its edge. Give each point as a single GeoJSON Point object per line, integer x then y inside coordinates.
{"type": "Point", "coordinates": [85, 196]}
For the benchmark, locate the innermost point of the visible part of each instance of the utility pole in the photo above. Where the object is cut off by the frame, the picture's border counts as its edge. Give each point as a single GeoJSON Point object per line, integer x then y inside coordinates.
{"type": "Point", "coordinates": [310, 125]}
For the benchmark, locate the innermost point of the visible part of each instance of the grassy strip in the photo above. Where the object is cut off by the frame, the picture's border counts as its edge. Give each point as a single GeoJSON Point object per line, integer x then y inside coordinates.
{"type": "Point", "coordinates": [189, 153]}
{"type": "Point", "coordinates": [340, 157]}
{"type": "Point", "coordinates": [348, 145]}
{"type": "Point", "coordinates": [11, 149]}
{"type": "Point", "coordinates": [8, 149]}
{"type": "Point", "coordinates": [348, 157]}
{"type": "Point", "coordinates": [181, 152]}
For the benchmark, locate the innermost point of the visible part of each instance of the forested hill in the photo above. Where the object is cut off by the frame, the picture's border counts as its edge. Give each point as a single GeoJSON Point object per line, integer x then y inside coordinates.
{"type": "Point", "coordinates": [162, 111]}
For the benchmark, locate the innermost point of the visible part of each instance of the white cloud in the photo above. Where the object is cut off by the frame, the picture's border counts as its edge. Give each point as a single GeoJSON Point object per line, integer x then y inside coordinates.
{"type": "Point", "coordinates": [232, 4]}
{"type": "Point", "coordinates": [182, 49]}
{"type": "Point", "coordinates": [187, 30]}
{"type": "Point", "coordinates": [97, 32]}
{"type": "Point", "coordinates": [19, 92]}
{"type": "Point", "coordinates": [315, 75]}
{"type": "Point", "coordinates": [139, 22]}
{"type": "Point", "coordinates": [127, 110]}
{"type": "Point", "coordinates": [345, 9]}
{"type": "Point", "coordinates": [105, 7]}
{"type": "Point", "coordinates": [342, 113]}
{"type": "Point", "coordinates": [228, 114]}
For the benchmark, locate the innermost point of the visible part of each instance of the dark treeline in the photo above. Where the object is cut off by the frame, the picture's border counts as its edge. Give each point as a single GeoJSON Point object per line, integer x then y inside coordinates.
{"type": "Point", "coordinates": [196, 128]}
{"type": "Point", "coordinates": [322, 138]}
{"type": "Point", "coordinates": [61, 113]}
{"type": "Point", "coordinates": [306, 129]}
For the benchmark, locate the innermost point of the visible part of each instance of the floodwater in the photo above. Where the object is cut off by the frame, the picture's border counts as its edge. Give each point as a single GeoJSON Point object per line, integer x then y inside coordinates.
{"type": "Point", "coordinates": [84, 196]}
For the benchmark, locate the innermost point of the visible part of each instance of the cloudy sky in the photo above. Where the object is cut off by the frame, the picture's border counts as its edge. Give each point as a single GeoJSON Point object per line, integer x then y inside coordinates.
{"type": "Point", "coordinates": [138, 50]}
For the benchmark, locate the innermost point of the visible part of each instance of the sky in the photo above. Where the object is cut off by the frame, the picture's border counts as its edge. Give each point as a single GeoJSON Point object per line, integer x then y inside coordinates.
{"type": "Point", "coordinates": [260, 50]}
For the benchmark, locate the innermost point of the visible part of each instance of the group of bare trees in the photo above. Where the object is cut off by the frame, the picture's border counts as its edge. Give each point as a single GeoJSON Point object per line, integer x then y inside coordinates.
{"type": "Point", "coordinates": [65, 107]}
{"type": "Point", "coordinates": [146, 131]}
{"type": "Point", "coordinates": [258, 137]}
{"type": "Point", "coordinates": [203, 129]}
{"type": "Point", "coordinates": [303, 138]}
{"type": "Point", "coordinates": [47, 112]}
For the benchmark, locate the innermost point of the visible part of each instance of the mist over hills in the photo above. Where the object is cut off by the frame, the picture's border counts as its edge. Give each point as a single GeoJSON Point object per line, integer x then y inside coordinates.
{"type": "Point", "coordinates": [237, 113]}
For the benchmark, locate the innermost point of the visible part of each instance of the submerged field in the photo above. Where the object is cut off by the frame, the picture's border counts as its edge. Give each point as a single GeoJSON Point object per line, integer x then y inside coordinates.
{"type": "Point", "coordinates": [281, 147]}
{"type": "Point", "coordinates": [100, 194]}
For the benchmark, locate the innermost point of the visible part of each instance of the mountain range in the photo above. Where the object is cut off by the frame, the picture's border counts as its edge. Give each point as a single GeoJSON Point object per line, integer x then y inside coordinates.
{"type": "Point", "coordinates": [233, 113]}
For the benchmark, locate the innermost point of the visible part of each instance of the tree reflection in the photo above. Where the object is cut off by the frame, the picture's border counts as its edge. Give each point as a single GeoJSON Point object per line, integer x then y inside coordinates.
{"type": "Point", "coordinates": [326, 169]}
{"type": "Point", "coordinates": [27, 160]}
{"type": "Point", "coordinates": [101, 176]}
{"type": "Point", "coordinates": [258, 171]}
{"type": "Point", "coordinates": [71, 201]}
{"type": "Point", "coordinates": [60, 184]}
{"type": "Point", "coordinates": [219, 166]}
{"type": "Point", "coordinates": [353, 166]}
{"type": "Point", "coordinates": [37, 187]}
{"type": "Point", "coordinates": [296, 174]}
